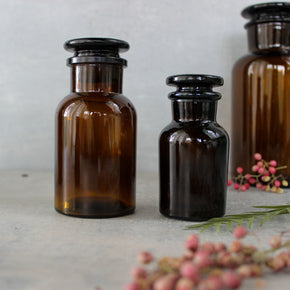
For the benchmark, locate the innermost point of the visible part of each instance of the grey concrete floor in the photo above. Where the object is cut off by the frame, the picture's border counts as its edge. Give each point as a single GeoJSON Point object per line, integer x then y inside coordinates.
{"type": "Point", "coordinates": [42, 249]}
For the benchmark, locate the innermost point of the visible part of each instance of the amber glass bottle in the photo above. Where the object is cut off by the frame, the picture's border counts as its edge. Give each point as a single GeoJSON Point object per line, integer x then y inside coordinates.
{"type": "Point", "coordinates": [261, 89]}
{"type": "Point", "coordinates": [193, 152]}
{"type": "Point", "coordinates": [96, 134]}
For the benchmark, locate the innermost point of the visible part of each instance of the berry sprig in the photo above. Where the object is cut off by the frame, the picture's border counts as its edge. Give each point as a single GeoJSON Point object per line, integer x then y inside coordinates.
{"type": "Point", "coordinates": [264, 176]}
{"type": "Point", "coordinates": [212, 266]}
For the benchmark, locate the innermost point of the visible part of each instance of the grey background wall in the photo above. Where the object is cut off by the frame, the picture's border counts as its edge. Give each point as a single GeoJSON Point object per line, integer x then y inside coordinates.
{"type": "Point", "coordinates": [166, 37]}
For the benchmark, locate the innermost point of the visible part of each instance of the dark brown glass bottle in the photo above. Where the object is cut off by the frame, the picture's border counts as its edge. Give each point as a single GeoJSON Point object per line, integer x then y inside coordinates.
{"type": "Point", "coordinates": [261, 89]}
{"type": "Point", "coordinates": [96, 134]}
{"type": "Point", "coordinates": [193, 152]}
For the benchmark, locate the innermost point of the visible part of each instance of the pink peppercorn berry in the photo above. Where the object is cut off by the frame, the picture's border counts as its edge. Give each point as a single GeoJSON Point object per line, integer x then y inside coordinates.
{"type": "Point", "coordinates": [184, 284]}
{"type": "Point", "coordinates": [261, 170]}
{"type": "Point", "coordinates": [248, 176]}
{"type": "Point", "coordinates": [230, 182]}
{"type": "Point", "coordinates": [277, 183]}
{"type": "Point", "coordinates": [272, 170]}
{"type": "Point", "coordinates": [145, 257]}
{"type": "Point", "coordinates": [257, 156]}
{"type": "Point", "coordinates": [202, 259]}
{"type": "Point", "coordinates": [236, 186]}
{"type": "Point", "coordinates": [259, 185]}
{"type": "Point", "coordinates": [192, 242]}
{"type": "Point", "coordinates": [240, 169]}
{"type": "Point", "coordinates": [231, 280]}
{"type": "Point", "coordinates": [275, 242]}
{"type": "Point", "coordinates": [273, 163]}
{"type": "Point", "coordinates": [243, 188]}
{"type": "Point", "coordinates": [260, 164]}
{"type": "Point", "coordinates": [188, 270]}
{"type": "Point", "coordinates": [240, 232]}
{"type": "Point", "coordinates": [255, 168]}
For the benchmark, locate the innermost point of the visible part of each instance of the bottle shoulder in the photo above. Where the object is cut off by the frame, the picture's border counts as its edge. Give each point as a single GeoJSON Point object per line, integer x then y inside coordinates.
{"type": "Point", "coordinates": [96, 102]}
{"type": "Point", "coordinates": [256, 59]}
{"type": "Point", "coordinates": [200, 132]}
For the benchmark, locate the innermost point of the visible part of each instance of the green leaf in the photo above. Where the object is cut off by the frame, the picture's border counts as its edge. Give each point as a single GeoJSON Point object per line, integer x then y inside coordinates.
{"type": "Point", "coordinates": [217, 227]}
{"type": "Point", "coordinates": [251, 219]}
{"type": "Point", "coordinates": [230, 226]}
{"type": "Point", "coordinates": [265, 219]}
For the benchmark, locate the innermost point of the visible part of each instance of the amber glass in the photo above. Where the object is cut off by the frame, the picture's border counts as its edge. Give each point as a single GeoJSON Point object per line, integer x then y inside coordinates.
{"type": "Point", "coordinates": [96, 144]}
{"type": "Point", "coordinates": [261, 94]}
{"type": "Point", "coordinates": [193, 152]}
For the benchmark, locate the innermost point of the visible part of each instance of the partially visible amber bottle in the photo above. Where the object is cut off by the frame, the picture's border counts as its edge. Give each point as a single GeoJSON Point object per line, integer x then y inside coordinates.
{"type": "Point", "coordinates": [261, 89]}
{"type": "Point", "coordinates": [95, 134]}
{"type": "Point", "coordinates": [193, 152]}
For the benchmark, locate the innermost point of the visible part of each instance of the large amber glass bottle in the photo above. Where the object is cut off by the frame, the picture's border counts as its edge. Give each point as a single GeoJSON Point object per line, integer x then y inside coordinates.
{"type": "Point", "coordinates": [193, 152]}
{"type": "Point", "coordinates": [261, 89]}
{"type": "Point", "coordinates": [95, 134]}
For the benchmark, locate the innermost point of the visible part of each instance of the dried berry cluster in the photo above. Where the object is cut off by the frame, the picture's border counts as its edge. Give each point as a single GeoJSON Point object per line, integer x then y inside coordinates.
{"type": "Point", "coordinates": [264, 176]}
{"type": "Point", "coordinates": [210, 266]}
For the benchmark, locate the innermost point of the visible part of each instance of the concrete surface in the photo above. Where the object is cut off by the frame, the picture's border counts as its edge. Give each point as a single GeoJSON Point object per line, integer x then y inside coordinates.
{"type": "Point", "coordinates": [41, 249]}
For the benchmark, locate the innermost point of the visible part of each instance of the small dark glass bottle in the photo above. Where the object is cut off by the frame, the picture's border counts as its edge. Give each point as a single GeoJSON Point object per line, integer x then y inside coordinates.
{"type": "Point", "coordinates": [95, 134]}
{"type": "Point", "coordinates": [193, 152]}
{"type": "Point", "coordinates": [261, 89]}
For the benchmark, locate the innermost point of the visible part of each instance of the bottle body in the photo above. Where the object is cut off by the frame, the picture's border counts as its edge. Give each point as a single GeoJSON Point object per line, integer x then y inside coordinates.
{"type": "Point", "coordinates": [260, 110]}
{"type": "Point", "coordinates": [193, 170]}
{"type": "Point", "coordinates": [261, 89]}
{"type": "Point", "coordinates": [193, 152]}
{"type": "Point", "coordinates": [95, 134]}
{"type": "Point", "coordinates": [95, 162]}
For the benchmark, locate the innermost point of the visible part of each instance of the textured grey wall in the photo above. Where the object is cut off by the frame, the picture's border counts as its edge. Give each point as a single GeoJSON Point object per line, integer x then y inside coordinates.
{"type": "Point", "coordinates": [166, 37]}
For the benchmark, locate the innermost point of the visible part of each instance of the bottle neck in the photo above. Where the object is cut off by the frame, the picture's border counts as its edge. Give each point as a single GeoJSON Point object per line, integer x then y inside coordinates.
{"type": "Point", "coordinates": [97, 77]}
{"type": "Point", "coordinates": [271, 37]}
{"type": "Point", "coordinates": [189, 110]}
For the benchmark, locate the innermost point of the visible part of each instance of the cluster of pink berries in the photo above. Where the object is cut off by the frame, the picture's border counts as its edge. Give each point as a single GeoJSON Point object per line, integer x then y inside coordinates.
{"type": "Point", "coordinates": [264, 176]}
{"type": "Point", "coordinates": [211, 266]}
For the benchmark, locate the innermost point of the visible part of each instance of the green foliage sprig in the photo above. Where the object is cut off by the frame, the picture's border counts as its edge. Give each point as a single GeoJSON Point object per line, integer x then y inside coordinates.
{"type": "Point", "coordinates": [268, 214]}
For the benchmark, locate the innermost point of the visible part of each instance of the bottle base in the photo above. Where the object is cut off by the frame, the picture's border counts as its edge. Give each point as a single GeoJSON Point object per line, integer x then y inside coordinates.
{"type": "Point", "coordinates": [92, 208]}
{"type": "Point", "coordinates": [193, 218]}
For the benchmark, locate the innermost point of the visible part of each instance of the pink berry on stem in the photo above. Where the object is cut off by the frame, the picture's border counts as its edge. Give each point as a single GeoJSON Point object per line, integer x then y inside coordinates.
{"type": "Point", "coordinates": [277, 183]}
{"type": "Point", "coordinates": [236, 186]}
{"type": "Point", "coordinates": [259, 185]}
{"type": "Point", "coordinates": [252, 180]}
{"type": "Point", "coordinates": [236, 246]}
{"type": "Point", "coordinates": [255, 168]}
{"type": "Point", "coordinates": [189, 270]}
{"type": "Point", "coordinates": [275, 242]}
{"type": "Point", "coordinates": [231, 280]}
{"type": "Point", "coordinates": [145, 257]}
{"type": "Point", "coordinates": [243, 188]}
{"type": "Point", "coordinates": [273, 163]}
{"type": "Point", "coordinates": [166, 282]}
{"type": "Point", "coordinates": [247, 185]}
{"type": "Point", "coordinates": [261, 170]}
{"type": "Point", "coordinates": [184, 284]}
{"type": "Point", "coordinates": [240, 232]}
{"type": "Point", "coordinates": [260, 164]}
{"type": "Point", "coordinates": [192, 242]}
{"type": "Point", "coordinates": [202, 259]}
{"type": "Point", "coordinates": [240, 169]}
{"type": "Point", "coordinates": [266, 173]}
{"type": "Point", "coordinates": [230, 182]}
{"type": "Point", "coordinates": [248, 176]}
{"type": "Point", "coordinates": [257, 156]}
{"type": "Point", "coordinates": [272, 170]}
